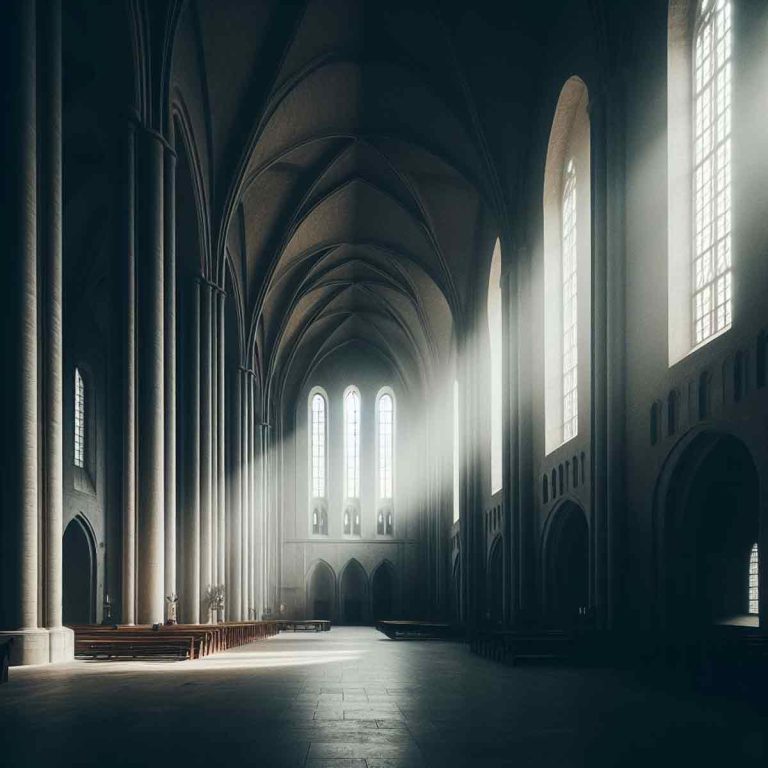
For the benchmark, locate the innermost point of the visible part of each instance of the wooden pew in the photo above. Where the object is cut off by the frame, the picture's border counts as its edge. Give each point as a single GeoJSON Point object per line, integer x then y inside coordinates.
{"type": "Point", "coordinates": [192, 641]}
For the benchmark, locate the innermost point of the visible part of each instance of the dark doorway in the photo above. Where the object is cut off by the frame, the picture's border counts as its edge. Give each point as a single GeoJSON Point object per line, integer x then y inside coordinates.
{"type": "Point", "coordinates": [496, 583]}
{"type": "Point", "coordinates": [321, 592]}
{"type": "Point", "coordinates": [383, 589]}
{"type": "Point", "coordinates": [712, 526]}
{"type": "Point", "coordinates": [79, 574]}
{"type": "Point", "coordinates": [354, 594]}
{"type": "Point", "coordinates": [567, 567]}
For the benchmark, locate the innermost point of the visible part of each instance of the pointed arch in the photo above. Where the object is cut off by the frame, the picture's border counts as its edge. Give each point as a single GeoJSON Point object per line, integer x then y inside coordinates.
{"type": "Point", "coordinates": [321, 591]}
{"type": "Point", "coordinates": [353, 594]}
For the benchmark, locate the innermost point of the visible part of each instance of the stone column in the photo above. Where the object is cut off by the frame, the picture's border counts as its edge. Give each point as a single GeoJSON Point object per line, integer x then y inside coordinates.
{"type": "Point", "coordinates": [246, 492]}
{"type": "Point", "coordinates": [206, 448]}
{"type": "Point", "coordinates": [214, 437]}
{"type": "Point", "coordinates": [221, 424]}
{"type": "Point", "coordinates": [151, 384]}
{"type": "Point", "coordinates": [234, 510]}
{"type": "Point", "coordinates": [129, 382]}
{"type": "Point", "coordinates": [170, 371]}
{"type": "Point", "coordinates": [190, 596]}
{"type": "Point", "coordinates": [19, 545]}
{"type": "Point", "coordinates": [50, 204]}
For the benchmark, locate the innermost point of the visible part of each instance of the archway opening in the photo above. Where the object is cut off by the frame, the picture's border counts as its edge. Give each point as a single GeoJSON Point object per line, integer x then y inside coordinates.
{"type": "Point", "coordinates": [78, 575]}
{"type": "Point", "coordinates": [321, 593]}
{"type": "Point", "coordinates": [567, 567]}
{"type": "Point", "coordinates": [496, 584]}
{"type": "Point", "coordinates": [712, 519]}
{"type": "Point", "coordinates": [383, 589]}
{"type": "Point", "coordinates": [354, 594]}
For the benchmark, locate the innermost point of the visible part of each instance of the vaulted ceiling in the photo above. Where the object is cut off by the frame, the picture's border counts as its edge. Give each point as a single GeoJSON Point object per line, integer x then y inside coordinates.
{"type": "Point", "coordinates": [345, 174]}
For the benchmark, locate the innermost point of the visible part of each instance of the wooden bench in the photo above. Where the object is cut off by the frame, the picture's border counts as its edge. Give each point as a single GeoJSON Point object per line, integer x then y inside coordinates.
{"type": "Point", "coordinates": [304, 625]}
{"type": "Point", "coordinates": [180, 641]}
{"type": "Point", "coordinates": [5, 657]}
{"type": "Point", "coordinates": [416, 630]}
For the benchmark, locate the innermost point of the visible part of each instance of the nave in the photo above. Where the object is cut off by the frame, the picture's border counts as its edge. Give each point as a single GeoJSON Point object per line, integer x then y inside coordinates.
{"type": "Point", "coordinates": [350, 698]}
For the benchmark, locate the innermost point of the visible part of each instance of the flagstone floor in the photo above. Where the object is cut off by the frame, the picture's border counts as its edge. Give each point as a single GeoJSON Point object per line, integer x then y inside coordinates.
{"type": "Point", "coordinates": [351, 698]}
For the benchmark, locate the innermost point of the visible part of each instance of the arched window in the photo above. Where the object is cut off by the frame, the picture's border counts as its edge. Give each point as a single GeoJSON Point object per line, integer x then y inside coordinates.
{"type": "Point", "coordinates": [315, 521]}
{"type": "Point", "coordinates": [754, 581]}
{"type": "Point", "coordinates": [356, 528]}
{"type": "Point", "coordinates": [390, 525]}
{"type": "Point", "coordinates": [699, 172]}
{"type": "Point", "coordinates": [324, 523]}
{"type": "Point", "coordinates": [80, 423]}
{"type": "Point", "coordinates": [318, 444]}
{"type": "Point", "coordinates": [495, 336]}
{"type": "Point", "coordinates": [385, 426]}
{"type": "Point", "coordinates": [570, 354]}
{"type": "Point", "coordinates": [380, 523]}
{"type": "Point", "coordinates": [352, 443]}
{"type": "Point", "coordinates": [712, 170]}
{"type": "Point", "coordinates": [456, 462]}
{"type": "Point", "coordinates": [567, 263]}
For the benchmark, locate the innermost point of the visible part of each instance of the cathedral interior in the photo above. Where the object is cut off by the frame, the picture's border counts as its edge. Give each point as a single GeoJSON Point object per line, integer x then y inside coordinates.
{"type": "Point", "coordinates": [447, 319]}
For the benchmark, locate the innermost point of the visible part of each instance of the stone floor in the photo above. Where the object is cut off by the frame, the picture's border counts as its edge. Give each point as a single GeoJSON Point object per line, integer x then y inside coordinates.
{"type": "Point", "coordinates": [353, 699]}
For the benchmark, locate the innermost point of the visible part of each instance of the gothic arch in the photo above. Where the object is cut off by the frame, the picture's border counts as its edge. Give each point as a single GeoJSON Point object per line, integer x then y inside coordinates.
{"type": "Point", "coordinates": [353, 594]}
{"type": "Point", "coordinates": [565, 560]}
{"type": "Point", "coordinates": [321, 591]}
{"type": "Point", "coordinates": [79, 572]}
{"type": "Point", "coordinates": [384, 602]}
{"type": "Point", "coordinates": [707, 519]}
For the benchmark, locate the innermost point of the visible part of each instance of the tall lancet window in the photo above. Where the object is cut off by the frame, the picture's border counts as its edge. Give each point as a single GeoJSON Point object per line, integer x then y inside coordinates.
{"type": "Point", "coordinates": [80, 424]}
{"type": "Point", "coordinates": [570, 349]}
{"type": "Point", "coordinates": [712, 170]}
{"type": "Point", "coordinates": [495, 343]}
{"type": "Point", "coordinates": [319, 433]}
{"type": "Point", "coordinates": [386, 433]}
{"type": "Point", "coordinates": [352, 443]}
{"type": "Point", "coordinates": [754, 581]}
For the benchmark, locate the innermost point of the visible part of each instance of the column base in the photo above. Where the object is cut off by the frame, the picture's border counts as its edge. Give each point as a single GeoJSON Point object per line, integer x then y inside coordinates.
{"type": "Point", "coordinates": [61, 644]}
{"type": "Point", "coordinates": [29, 646]}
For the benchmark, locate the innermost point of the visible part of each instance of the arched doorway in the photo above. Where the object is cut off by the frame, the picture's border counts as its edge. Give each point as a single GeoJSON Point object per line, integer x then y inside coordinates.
{"type": "Point", "coordinates": [383, 592]}
{"type": "Point", "coordinates": [496, 583]}
{"type": "Point", "coordinates": [354, 594]}
{"type": "Point", "coordinates": [78, 574]}
{"type": "Point", "coordinates": [321, 592]}
{"type": "Point", "coordinates": [566, 566]}
{"type": "Point", "coordinates": [710, 525]}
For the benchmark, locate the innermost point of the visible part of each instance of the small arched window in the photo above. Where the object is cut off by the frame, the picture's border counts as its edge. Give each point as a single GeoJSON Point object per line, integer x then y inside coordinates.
{"type": "Point", "coordinates": [655, 423]}
{"type": "Point", "coordinates": [495, 343]}
{"type": "Point", "coordinates": [324, 523]}
{"type": "Point", "coordinates": [352, 443]}
{"type": "Point", "coordinates": [319, 433]}
{"type": "Point", "coordinates": [545, 488]}
{"type": "Point", "coordinates": [80, 421]}
{"type": "Point", "coordinates": [754, 581]}
{"type": "Point", "coordinates": [347, 521]}
{"type": "Point", "coordinates": [356, 528]}
{"type": "Point", "coordinates": [390, 525]}
{"type": "Point", "coordinates": [385, 427]}
{"type": "Point", "coordinates": [380, 523]}
{"type": "Point", "coordinates": [315, 521]}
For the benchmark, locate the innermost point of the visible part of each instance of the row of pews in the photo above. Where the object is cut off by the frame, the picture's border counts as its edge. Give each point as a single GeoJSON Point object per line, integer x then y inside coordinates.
{"type": "Point", "coordinates": [166, 641]}
{"type": "Point", "coordinates": [538, 646]}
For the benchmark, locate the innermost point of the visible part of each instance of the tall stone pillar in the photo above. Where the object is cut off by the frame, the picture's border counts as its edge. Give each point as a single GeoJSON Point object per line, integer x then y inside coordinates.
{"type": "Point", "coordinates": [221, 557]}
{"type": "Point", "coordinates": [234, 509]}
{"type": "Point", "coordinates": [151, 383]}
{"type": "Point", "coordinates": [190, 596]}
{"type": "Point", "coordinates": [257, 509]}
{"type": "Point", "coordinates": [170, 370]}
{"type": "Point", "coordinates": [129, 380]}
{"type": "Point", "coordinates": [246, 490]}
{"type": "Point", "coordinates": [214, 438]}
{"type": "Point", "coordinates": [206, 449]}
{"type": "Point", "coordinates": [19, 544]}
{"type": "Point", "coordinates": [50, 210]}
